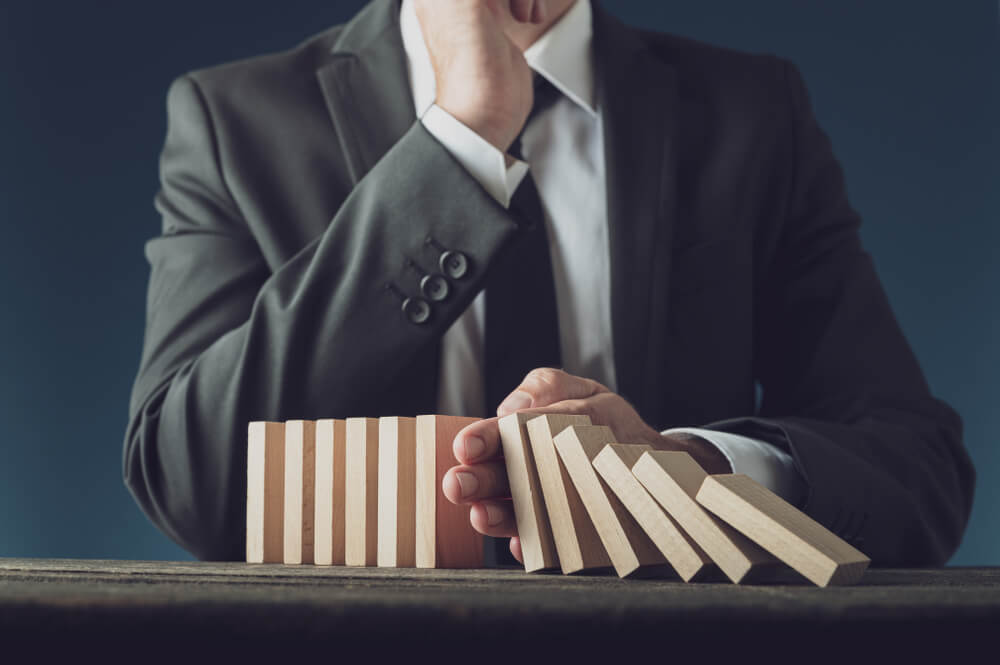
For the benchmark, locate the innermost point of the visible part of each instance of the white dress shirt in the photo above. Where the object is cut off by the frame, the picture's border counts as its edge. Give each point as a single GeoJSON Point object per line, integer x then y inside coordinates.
{"type": "Point", "coordinates": [564, 146]}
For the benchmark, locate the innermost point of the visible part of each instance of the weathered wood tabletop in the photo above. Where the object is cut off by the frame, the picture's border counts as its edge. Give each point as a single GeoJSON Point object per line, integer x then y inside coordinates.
{"type": "Point", "coordinates": [164, 608]}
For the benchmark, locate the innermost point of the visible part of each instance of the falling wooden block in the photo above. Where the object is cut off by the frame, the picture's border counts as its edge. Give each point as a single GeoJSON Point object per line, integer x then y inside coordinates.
{"type": "Point", "coordinates": [538, 549]}
{"type": "Point", "coordinates": [624, 540]}
{"type": "Point", "coordinates": [445, 537]}
{"type": "Point", "coordinates": [781, 529]}
{"type": "Point", "coordinates": [265, 492]}
{"type": "Point", "coordinates": [361, 492]}
{"type": "Point", "coordinates": [397, 492]}
{"type": "Point", "coordinates": [300, 487]}
{"type": "Point", "coordinates": [614, 464]}
{"type": "Point", "coordinates": [673, 479]}
{"type": "Point", "coordinates": [577, 544]}
{"type": "Point", "coordinates": [331, 446]}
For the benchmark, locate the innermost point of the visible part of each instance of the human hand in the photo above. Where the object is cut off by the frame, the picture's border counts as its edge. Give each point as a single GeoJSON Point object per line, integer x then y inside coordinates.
{"type": "Point", "coordinates": [482, 77]}
{"type": "Point", "coordinates": [480, 478]}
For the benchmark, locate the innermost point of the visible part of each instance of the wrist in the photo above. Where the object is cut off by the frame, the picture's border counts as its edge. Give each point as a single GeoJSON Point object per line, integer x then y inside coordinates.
{"type": "Point", "coordinates": [497, 131]}
{"type": "Point", "coordinates": [704, 452]}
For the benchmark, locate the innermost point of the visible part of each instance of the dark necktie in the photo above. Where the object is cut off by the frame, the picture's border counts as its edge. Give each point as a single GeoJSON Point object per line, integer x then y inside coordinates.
{"type": "Point", "coordinates": [522, 324]}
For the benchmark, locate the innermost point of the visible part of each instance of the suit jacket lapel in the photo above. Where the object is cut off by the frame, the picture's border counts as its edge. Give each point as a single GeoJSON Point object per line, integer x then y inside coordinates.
{"type": "Point", "coordinates": [637, 95]}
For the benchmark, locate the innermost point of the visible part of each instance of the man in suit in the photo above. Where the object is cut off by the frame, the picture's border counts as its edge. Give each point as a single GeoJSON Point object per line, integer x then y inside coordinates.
{"type": "Point", "coordinates": [430, 207]}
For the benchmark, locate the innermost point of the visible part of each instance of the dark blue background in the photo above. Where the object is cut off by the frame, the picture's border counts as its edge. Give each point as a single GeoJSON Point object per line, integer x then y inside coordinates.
{"type": "Point", "coordinates": [906, 88]}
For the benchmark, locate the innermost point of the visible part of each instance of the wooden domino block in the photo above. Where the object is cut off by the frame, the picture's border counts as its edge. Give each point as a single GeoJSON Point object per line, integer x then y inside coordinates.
{"type": "Point", "coordinates": [331, 446]}
{"type": "Point", "coordinates": [265, 492]}
{"type": "Point", "coordinates": [300, 487]}
{"type": "Point", "coordinates": [624, 540]}
{"type": "Point", "coordinates": [445, 538]}
{"type": "Point", "coordinates": [577, 544]}
{"type": "Point", "coordinates": [673, 479]}
{"type": "Point", "coordinates": [397, 492]}
{"type": "Point", "coordinates": [614, 464]}
{"type": "Point", "coordinates": [361, 492]}
{"type": "Point", "coordinates": [537, 545]}
{"type": "Point", "coordinates": [781, 529]}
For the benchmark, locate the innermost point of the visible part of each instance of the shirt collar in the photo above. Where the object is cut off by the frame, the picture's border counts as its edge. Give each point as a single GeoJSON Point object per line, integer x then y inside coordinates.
{"type": "Point", "coordinates": [563, 55]}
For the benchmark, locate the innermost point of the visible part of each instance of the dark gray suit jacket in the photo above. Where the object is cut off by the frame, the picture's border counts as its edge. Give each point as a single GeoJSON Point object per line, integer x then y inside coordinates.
{"type": "Point", "coordinates": [296, 186]}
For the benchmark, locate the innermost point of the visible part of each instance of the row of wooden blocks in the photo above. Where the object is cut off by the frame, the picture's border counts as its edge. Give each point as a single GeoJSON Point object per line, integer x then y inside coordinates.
{"type": "Point", "coordinates": [367, 492]}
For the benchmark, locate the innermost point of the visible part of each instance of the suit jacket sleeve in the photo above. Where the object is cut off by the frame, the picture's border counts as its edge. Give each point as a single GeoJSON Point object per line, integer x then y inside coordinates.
{"type": "Point", "coordinates": [842, 391]}
{"type": "Point", "coordinates": [230, 338]}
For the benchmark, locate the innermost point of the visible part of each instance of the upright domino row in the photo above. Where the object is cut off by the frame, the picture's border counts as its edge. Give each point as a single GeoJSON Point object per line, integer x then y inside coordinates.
{"type": "Point", "coordinates": [356, 492]}
{"type": "Point", "coordinates": [584, 502]}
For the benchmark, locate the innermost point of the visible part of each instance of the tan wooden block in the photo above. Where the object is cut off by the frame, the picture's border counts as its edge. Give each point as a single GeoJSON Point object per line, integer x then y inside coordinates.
{"type": "Point", "coordinates": [445, 538]}
{"type": "Point", "coordinates": [331, 446]}
{"type": "Point", "coordinates": [538, 547]}
{"type": "Point", "coordinates": [673, 479]}
{"type": "Point", "coordinates": [626, 543]}
{"type": "Point", "coordinates": [300, 488]}
{"type": "Point", "coordinates": [783, 530]}
{"type": "Point", "coordinates": [265, 492]}
{"type": "Point", "coordinates": [578, 546]}
{"type": "Point", "coordinates": [397, 492]}
{"type": "Point", "coordinates": [361, 492]}
{"type": "Point", "coordinates": [614, 465]}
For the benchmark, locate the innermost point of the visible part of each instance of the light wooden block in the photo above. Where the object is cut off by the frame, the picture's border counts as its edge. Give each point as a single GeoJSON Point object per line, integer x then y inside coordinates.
{"type": "Point", "coordinates": [538, 548]}
{"type": "Point", "coordinates": [265, 492]}
{"type": "Point", "coordinates": [397, 492]}
{"type": "Point", "coordinates": [783, 530]}
{"type": "Point", "coordinates": [331, 446]}
{"type": "Point", "coordinates": [673, 479]}
{"type": "Point", "coordinates": [361, 492]}
{"type": "Point", "coordinates": [445, 537]}
{"type": "Point", "coordinates": [578, 546]}
{"type": "Point", "coordinates": [614, 465]}
{"type": "Point", "coordinates": [300, 488]}
{"type": "Point", "coordinates": [624, 540]}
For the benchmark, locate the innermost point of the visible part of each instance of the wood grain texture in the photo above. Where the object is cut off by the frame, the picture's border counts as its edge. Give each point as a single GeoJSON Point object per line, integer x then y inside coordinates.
{"type": "Point", "coordinates": [673, 480]}
{"type": "Point", "coordinates": [577, 544]}
{"type": "Point", "coordinates": [626, 543]}
{"type": "Point", "coordinates": [783, 530]}
{"type": "Point", "coordinates": [331, 445]}
{"type": "Point", "coordinates": [538, 547]}
{"type": "Point", "coordinates": [265, 492]}
{"type": "Point", "coordinates": [300, 488]}
{"type": "Point", "coordinates": [614, 465]}
{"type": "Point", "coordinates": [361, 492]}
{"type": "Point", "coordinates": [397, 492]}
{"type": "Point", "coordinates": [445, 538]}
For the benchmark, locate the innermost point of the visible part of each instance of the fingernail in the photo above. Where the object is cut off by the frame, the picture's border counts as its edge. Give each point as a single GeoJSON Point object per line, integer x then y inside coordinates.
{"type": "Point", "coordinates": [515, 402]}
{"type": "Point", "coordinates": [468, 483]}
{"type": "Point", "coordinates": [474, 447]}
{"type": "Point", "coordinates": [493, 515]}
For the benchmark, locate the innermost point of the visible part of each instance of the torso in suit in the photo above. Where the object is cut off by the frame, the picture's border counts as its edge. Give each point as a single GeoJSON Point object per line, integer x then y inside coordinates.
{"type": "Point", "coordinates": [296, 186]}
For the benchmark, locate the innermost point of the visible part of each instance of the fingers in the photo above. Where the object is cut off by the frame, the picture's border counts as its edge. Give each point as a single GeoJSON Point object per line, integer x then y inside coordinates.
{"type": "Point", "coordinates": [493, 518]}
{"type": "Point", "coordinates": [466, 484]}
{"type": "Point", "coordinates": [477, 442]}
{"type": "Point", "coordinates": [522, 10]}
{"type": "Point", "coordinates": [515, 548]}
{"type": "Point", "coordinates": [546, 386]}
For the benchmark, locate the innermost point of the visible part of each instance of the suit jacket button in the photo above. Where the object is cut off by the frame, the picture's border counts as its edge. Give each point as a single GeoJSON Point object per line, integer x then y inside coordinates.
{"type": "Point", "coordinates": [454, 264]}
{"type": "Point", "coordinates": [417, 310]}
{"type": "Point", "coordinates": [435, 287]}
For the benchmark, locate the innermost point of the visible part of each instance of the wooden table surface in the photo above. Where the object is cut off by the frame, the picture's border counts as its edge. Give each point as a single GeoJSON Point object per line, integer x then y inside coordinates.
{"type": "Point", "coordinates": [168, 608]}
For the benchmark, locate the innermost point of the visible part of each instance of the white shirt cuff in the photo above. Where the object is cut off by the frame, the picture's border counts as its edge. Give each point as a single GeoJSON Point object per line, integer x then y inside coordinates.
{"type": "Point", "coordinates": [767, 464]}
{"type": "Point", "coordinates": [479, 157]}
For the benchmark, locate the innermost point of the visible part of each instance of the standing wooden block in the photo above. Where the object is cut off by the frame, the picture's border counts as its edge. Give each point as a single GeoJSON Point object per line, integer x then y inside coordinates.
{"type": "Point", "coordinates": [445, 538]}
{"type": "Point", "coordinates": [627, 545]}
{"type": "Point", "coordinates": [265, 492]}
{"type": "Point", "coordinates": [577, 543]}
{"type": "Point", "coordinates": [397, 492]}
{"type": "Point", "coordinates": [673, 479]}
{"type": "Point", "coordinates": [361, 492]}
{"type": "Point", "coordinates": [781, 529]}
{"type": "Point", "coordinates": [614, 464]}
{"type": "Point", "coordinates": [300, 487]}
{"type": "Point", "coordinates": [331, 446]}
{"type": "Point", "coordinates": [537, 545]}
